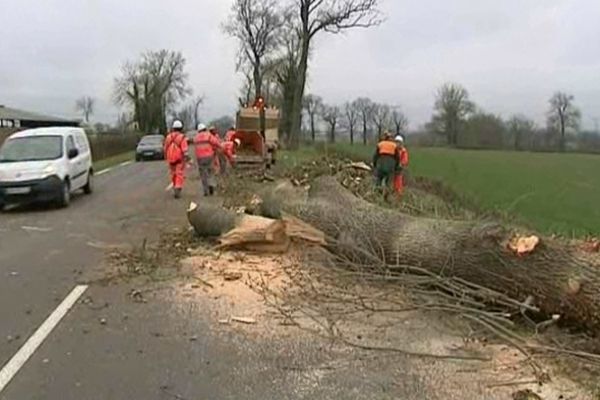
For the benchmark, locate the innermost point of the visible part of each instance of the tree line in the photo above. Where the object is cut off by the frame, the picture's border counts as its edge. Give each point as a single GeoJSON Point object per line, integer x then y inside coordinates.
{"type": "Point", "coordinates": [361, 119]}
{"type": "Point", "coordinates": [459, 122]}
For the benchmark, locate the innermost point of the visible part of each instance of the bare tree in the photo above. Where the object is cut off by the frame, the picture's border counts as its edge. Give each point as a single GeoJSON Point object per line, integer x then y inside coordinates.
{"type": "Point", "coordinates": [331, 115]}
{"type": "Point", "coordinates": [400, 121]}
{"type": "Point", "coordinates": [332, 16]}
{"type": "Point", "coordinates": [352, 114]}
{"type": "Point", "coordinates": [85, 105]}
{"type": "Point", "coordinates": [563, 115]}
{"type": "Point", "coordinates": [365, 111]}
{"type": "Point", "coordinates": [256, 24]}
{"type": "Point", "coordinates": [452, 106]}
{"type": "Point", "coordinates": [151, 87]}
{"type": "Point", "coordinates": [381, 118]}
{"type": "Point", "coordinates": [189, 113]}
{"type": "Point", "coordinates": [520, 130]}
{"type": "Point", "coordinates": [313, 105]}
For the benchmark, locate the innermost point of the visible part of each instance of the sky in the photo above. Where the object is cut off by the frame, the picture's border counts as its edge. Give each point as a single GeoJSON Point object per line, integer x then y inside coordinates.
{"type": "Point", "coordinates": [511, 55]}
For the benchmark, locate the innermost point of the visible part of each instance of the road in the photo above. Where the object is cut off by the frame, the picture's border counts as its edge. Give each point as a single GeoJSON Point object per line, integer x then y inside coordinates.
{"type": "Point", "coordinates": [109, 347]}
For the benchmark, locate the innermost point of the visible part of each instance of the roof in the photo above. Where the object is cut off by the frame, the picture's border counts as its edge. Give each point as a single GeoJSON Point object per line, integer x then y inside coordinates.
{"type": "Point", "coordinates": [58, 131]}
{"type": "Point", "coordinates": [13, 113]}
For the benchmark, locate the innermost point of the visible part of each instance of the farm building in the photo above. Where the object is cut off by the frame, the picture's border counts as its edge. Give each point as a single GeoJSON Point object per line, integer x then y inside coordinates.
{"type": "Point", "coordinates": [11, 118]}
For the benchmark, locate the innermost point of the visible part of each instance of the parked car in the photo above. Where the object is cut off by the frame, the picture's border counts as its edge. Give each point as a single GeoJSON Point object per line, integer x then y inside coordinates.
{"type": "Point", "coordinates": [45, 165]}
{"type": "Point", "coordinates": [150, 147]}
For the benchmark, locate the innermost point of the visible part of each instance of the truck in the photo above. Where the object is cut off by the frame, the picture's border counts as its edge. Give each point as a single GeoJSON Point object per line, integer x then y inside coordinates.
{"type": "Point", "coordinates": [257, 149]}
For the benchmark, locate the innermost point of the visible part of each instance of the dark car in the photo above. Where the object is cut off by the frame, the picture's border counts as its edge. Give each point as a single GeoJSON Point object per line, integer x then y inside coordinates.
{"type": "Point", "coordinates": [150, 148]}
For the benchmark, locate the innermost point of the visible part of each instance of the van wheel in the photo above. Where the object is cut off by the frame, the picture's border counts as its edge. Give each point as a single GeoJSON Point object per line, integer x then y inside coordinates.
{"type": "Point", "coordinates": [65, 195]}
{"type": "Point", "coordinates": [89, 186]}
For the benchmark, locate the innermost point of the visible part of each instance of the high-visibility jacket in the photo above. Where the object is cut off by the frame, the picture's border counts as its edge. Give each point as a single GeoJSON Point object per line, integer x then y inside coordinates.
{"type": "Point", "coordinates": [230, 135]}
{"type": "Point", "coordinates": [229, 150]}
{"type": "Point", "coordinates": [175, 147]}
{"type": "Point", "coordinates": [206, 144]}
{"type": "Point", "coordinates": [404, 158]}
{"type": "Point", "coordinates": [386, 149]}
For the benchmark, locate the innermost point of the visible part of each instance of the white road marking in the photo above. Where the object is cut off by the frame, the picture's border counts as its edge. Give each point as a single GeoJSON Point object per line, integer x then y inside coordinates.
{"type": "Point", "coordinates": [107, 170]}
{"type": "Point", "coordinates": [16, 363]}
{"type": "Point", "coordinates": [36, 229]}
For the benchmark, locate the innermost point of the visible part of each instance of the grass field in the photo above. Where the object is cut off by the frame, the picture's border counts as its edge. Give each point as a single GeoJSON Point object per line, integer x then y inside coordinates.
{"type": "Point", "coordinates": [553, 193]}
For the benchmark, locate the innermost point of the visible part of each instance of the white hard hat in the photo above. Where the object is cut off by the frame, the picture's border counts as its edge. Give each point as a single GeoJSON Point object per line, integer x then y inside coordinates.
{"type": "Point", "coordinates": [238, 142]}
{"type": "Point", "coordinates": [399, 138]}
{"type": "Point", "coordinates": [201, 127]}
{"type": "Point", "coordinates": [177, 124]}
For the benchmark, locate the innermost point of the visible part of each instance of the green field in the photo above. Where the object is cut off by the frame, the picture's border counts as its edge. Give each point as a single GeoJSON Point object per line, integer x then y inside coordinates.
{"type": "Point", "coordinates": [553, 193]}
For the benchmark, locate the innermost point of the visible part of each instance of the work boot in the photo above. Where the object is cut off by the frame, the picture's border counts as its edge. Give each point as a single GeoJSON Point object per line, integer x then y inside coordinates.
{"type": "Point", "coordinates": [177, 193]}
{"type": "Point", "coordinates": [211, 191]}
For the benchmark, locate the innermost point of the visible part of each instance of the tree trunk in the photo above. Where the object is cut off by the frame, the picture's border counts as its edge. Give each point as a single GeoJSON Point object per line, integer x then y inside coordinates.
{"type": "Point", "coordinates": [364, 132]}
{"type": "Point", "coordinates": [296, 118]}
{"type": "Point", "coordinates": [559, 279]}
{"type": "Point", "coordinates": [312, 128]}
{"type": "Point", "coordinates": [562, 140]}
{"type": "Point", "coordinates": [351, 134]}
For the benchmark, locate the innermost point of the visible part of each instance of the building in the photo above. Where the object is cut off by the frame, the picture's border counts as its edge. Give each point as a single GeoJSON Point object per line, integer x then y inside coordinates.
{"type": "Point", "coordinates": [13, 119]}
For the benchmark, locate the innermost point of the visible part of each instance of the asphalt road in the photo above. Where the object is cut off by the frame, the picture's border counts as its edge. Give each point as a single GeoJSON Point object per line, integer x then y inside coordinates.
{"type": "Point", "coordinates": [110, 347]}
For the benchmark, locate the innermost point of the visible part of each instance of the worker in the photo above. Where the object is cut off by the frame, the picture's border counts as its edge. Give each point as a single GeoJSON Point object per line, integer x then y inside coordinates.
{"type": "Point", "coordinates": [385, 161]}
{"type": "Point", "coordinates": [176, 155]}
{"type": "Point", "coordinates": [399, 179]}
{"type": "Point", "coordinates": [218, 157]}
{"type": "Point", "coordinates": [229, 149]}
{"type": "Point", "coordinates": [230, 135]}
{"type": "Point", "coordinates": [207, 146]}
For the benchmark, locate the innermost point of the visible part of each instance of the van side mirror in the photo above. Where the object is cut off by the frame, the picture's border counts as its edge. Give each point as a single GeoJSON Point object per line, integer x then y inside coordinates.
{"type": "Point", "coordinates": [72, 153]}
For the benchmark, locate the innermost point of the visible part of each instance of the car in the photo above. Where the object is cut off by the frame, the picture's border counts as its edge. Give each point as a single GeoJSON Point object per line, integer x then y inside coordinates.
{"type": "Point", "coordinates": [150, 147]}
{"type": "Point", "coordinates": [45, 165]}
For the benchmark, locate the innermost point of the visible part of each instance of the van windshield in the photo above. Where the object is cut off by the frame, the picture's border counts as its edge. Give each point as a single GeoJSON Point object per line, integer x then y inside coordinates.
{"type": "Point", "coordinates": [32, 148]}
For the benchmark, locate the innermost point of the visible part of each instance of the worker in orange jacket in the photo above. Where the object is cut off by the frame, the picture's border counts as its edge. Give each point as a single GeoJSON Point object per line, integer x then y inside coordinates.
{"type": "Point", "coordinates": [217, 158]}
{"type": "Point", "coordinates": [385, 161]}
{"type": "Point", "coordinates": [176, 155]}
{"type": "Point", "coordinates": [229, 149]}
{"type": "Point", "coordinates": [207, 145]}
{"type": "Point", "coordinates": [230, 135]}
{"type": "Point", "coordinates": [399, 179]}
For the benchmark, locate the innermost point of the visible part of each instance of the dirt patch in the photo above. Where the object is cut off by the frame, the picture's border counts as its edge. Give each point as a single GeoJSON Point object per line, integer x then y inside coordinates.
{"type": "Point", "coordinates": [291, 295]}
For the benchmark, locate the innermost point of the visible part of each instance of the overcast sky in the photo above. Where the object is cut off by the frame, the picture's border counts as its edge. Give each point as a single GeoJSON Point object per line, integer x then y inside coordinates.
{"type": "Point", "coordinates": [511, 54]}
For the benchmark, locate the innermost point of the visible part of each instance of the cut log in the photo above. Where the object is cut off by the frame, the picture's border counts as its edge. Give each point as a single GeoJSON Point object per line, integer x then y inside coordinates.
{"type": "Point", "coordinates": [479, 252]}
{"type": "Point", "coordinates": [252, 233]}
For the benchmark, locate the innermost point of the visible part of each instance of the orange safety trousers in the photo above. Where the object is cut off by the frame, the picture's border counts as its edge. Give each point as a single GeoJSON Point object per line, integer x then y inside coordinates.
{"type": "Point", "coordinates": [177, 174]}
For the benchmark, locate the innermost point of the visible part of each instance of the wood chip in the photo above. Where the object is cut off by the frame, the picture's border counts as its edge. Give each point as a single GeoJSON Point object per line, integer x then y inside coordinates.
{"type": "Point", "coordinates": [244, 320]}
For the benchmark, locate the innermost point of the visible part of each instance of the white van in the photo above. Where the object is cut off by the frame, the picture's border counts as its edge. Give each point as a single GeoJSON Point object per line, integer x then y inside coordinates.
{"type": "Point", "coordinates": [45, 165]}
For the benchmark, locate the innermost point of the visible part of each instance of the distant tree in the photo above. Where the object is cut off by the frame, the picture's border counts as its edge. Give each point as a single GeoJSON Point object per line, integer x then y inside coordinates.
{"type": "Point", "coordinates": [400, 121]}
{"type": "Point", "coordinates": [151, 87]}
{"type": "Point", "coordinates": [562, 116]}
{"type": "Point", "coordinates": [313, 105]}
{"type": "Point", "coordinates": [222, 124]}
{"type": "Point", "coordinates": [452, 106]}
{"type": "Point", "coordinates": [352, 114]}
{"type": "Point", "coordinates": [314, 16]}
{"type": "Point", "coordinates": [365, 109]}
{"type": "Point", "coordinates": [99, 127]}
{"type": "Point", "coordinates": [381, 118]}
{"type": "Point", "coordinates": [189, 113]}
{"type": "Point", "coordinates": [256, 24]}
{"type": "Point", "coordinates": [483, 130]}
{"type": "Point", "coordinates": [520, 132]}
{"type": "Point", "coordinates": [85, 105]}
{"type": "Point", "coordinates": [331, 115]}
